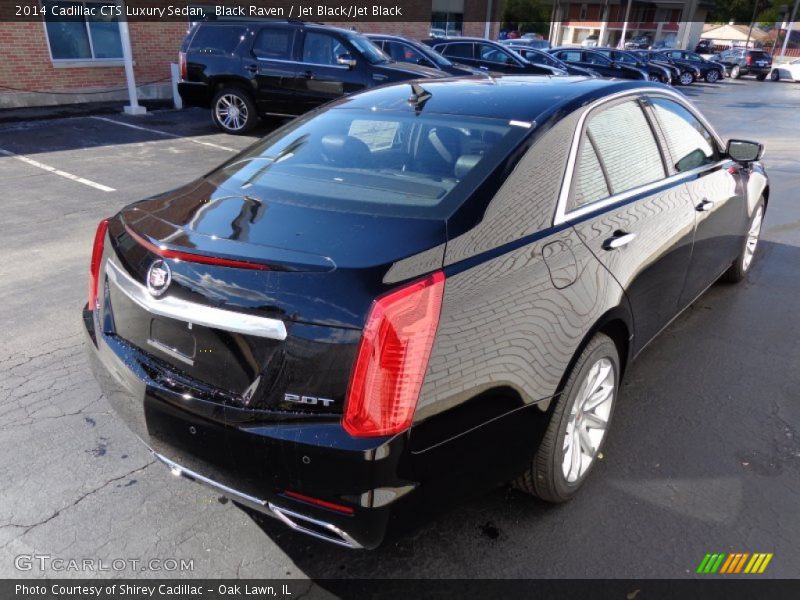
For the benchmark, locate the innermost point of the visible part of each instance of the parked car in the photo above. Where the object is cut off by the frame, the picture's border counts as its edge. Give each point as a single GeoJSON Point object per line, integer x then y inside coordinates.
{"type": "Point", "coordinates": [740, 62]}
{"type": "Point", "coordinates": [710, 70]}
{"type": "Point", "coordinates": [789, 71]}
{"type": "Point", "coordinates": [639, 42]}
{"type": "Point", "coordinates": [687, 73]}
{"type": "Point", "coordinates": [416, 293]}
{"type": "Point", "coordinates": [655, 72]}
{"type": "Point", "coordinates": [704, 47]}
{"type": "Point", "coordinates": [243, 70]}
{"type": "Point", "coordinates": [590, 41]}
{"type": "Point", "coordinates": [541, 57]}
{"type": "Point", "coordinates": [402, 49]}
{"type": "Point", "coordinates": [489, 55]}
{"type": "Point", "coordinates": [528, 43]}
{"type": "Point", "coordinates": [596, 61]}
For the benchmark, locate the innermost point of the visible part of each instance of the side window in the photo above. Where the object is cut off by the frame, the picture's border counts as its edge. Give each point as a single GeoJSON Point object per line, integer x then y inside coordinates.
{"type": "Point", "coordinates": [618, 144]}
{"type": "Point", "coordinates": [596, 59]}
{"type": "Point", "coordinates": [403, 52]}
{"type": "Point", "coordinates": [570, 55]}
{"type": "Point", "coordinates": [459, 50]}
{"type": "Point", "coordinates": [492, 54]}
{"type": "Point", "coordinates": [216, 39]}
{"type": "Point", "coordinates": [275, 43]}
{"type": "Point", "coordinates": [321, 48]}
{"type": "Point", "coordinates": [690, 143]}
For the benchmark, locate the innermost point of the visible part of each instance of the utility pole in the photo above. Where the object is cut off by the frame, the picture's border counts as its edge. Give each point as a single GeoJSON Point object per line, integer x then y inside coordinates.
{"type": "Point", "coordinates": [752, 22]}
{"type": "Point", "coordinates": [127, 54]}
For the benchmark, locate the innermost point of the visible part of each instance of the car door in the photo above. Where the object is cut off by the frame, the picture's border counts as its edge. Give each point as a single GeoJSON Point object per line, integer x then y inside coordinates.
{"type": "Point", "coordinates": [720, 206]}
{"type": "Point", "coordinates": [498, 59]}
{"type": "Point", "coordinates": [601, 64]}
{"type": "Point", "coordinates": [638, 223]}
{"type": "Point", "coordinates": [272, 66]}
{"type": "Point", "coordinates": [321, 78]}
{"type": "Point", "coordinates": [462, 52]}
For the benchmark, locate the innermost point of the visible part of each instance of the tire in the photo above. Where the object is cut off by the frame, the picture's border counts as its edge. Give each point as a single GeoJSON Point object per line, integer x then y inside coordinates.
{"type": "Point", "coordinates": [234, 111]}
{"type": "Point", "coordinates": [775, 75]}
{"type": "Point", "coordinates": [686, 78]}
{"type": "Point", "coordinates": [546, 478]}
{"type": "Point", "coordinates": [712, 76]}
{"type": "Point", "coordinates": [654, 78]}
{"type": "Point", "coordinates": [761, 77]}
{"type": "Point", "coordinates": [741, 266]}
{"type": "Point", "coordinates": [736, 72]}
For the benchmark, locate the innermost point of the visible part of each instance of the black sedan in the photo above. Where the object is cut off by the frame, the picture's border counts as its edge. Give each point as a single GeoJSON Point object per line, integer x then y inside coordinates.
{"type": "Point", "coordinates": [710, 70]}
{"type": "Point", "coordinates": [541, 57]}
{"type": "Point", "coordinates": [402, 49]}
{"type": "Point", "coordinates": [415, 293]}
{"type": "Point", "coordinates": [687, 73]}
{"type": "Point", "coordinates": [596, 61]}
{"type": "Point", "coordinates": [489, 56]}
{"type": "Point", "coordinates": [655, 72]}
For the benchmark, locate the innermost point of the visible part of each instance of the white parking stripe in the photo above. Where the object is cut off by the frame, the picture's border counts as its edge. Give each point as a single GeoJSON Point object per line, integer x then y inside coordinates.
{"type": "Point", "coordinates": [166, 133]}
{"type": "Point", "coordinates": [59, 172]}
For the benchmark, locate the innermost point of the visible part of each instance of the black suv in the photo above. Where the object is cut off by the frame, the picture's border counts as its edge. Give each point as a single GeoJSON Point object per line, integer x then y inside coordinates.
{"type": "Point", "coordinates": [242, 70]}
{"type": "Point", "coordinates": [740, 61]}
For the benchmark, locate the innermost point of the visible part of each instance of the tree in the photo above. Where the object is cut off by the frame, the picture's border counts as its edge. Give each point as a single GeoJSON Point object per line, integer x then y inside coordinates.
{"type": "Point", "coordinates": [527, 15]}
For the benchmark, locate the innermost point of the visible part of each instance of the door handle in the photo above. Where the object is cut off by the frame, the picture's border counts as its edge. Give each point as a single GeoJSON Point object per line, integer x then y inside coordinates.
{"type": "Point", "coordinates": [705, 205]}
{"type": "Point", "coordinates": [309, 74]}
{"type": "Point", "coordinates": [619, 240]}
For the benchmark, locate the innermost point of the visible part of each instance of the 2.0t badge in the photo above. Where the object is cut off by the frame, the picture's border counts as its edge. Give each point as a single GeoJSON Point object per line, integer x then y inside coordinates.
{"type": "Point", "coordinates": [159, 276]}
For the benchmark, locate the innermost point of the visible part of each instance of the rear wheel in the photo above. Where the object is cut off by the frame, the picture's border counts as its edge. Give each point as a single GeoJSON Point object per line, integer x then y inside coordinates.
{"type": "Point", "coordinates": [775, 75]}
{"type": "Point", "coordinates": [761, 77]}
{"type": "Point", "coordinates": [741, 266]}
{"type": "Point", "coordinates": [712, 76]}
{"type": "Point", "coordinates": [736, 72]}
{"type": "Point", "coordinates": [234, 111]}
{"type": "Point", "coordinates": [578, 427]}
{"type": "Point", "coordinates": [686, 78]}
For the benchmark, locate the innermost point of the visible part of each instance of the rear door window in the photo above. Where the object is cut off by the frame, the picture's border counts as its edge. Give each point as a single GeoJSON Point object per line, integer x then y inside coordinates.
{"type": "Point", "coordinates": [458, 50]}
{"type": "Point", "coordinates": [217, 39]}
{"type": "Point", "coordinates": [322, 48]}
{"type": "Point", "coordinates": [274, 43]}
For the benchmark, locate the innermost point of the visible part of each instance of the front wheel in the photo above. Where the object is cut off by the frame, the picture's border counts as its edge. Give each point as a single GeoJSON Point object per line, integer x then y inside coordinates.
{"type": "Point", "coordinates": [686, 78]}
{"type": "Point", "coordinates": [741, 266]}
{"type": "Point", "coordinates": [712, 76]}
{"type": "Point", "coordinates": [736, 72]}
{"type": "Point", "coordinates": [233, 111]}
{"type": "Point", "coordinates": [578, 426]}
{"type": "Point", "coordinates": [775, 75]}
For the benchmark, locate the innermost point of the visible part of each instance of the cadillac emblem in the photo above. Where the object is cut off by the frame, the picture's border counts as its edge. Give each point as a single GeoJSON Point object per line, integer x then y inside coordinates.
{"type": "Point", "coordinates": [159, 277]}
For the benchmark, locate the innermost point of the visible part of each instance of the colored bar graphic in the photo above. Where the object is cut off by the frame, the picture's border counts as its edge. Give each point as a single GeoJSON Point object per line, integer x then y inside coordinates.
{"type": "Point", "coordinates": [722, 563]}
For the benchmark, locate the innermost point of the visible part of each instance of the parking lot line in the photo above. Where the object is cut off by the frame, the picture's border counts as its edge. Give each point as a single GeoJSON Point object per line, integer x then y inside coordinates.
{"type": "Point", "coordinates": [54, 171]}
{"type": "Point", "coordinates": [166, 133]}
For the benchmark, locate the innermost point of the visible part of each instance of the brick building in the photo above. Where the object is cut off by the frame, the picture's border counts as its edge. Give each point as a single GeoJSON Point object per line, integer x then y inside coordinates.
{"type": "Point", "coordinates": [46, 62]}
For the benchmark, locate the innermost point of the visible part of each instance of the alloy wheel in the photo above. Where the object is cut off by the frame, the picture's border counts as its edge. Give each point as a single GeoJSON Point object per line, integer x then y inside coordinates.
{"type": "Point", "coordinates": [588, 420]}
{"type": "Point", "coordinates": [712, 76]}
{"type": "Point", "coordinates": [686, 78]}
{"type": "Point", "coordinates": [752, 239]}
{"type": "Point", "coordinates": [231, 112]}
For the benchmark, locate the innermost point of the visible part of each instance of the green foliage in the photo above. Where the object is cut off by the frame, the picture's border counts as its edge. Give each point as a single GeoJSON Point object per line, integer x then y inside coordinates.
{"type": "Point", "coordinates": [527, 15]}
{"type": "Point", "coordinates": [741, 11]}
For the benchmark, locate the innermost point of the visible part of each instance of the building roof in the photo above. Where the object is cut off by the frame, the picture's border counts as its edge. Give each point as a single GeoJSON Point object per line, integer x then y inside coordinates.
{"type": "Point", "coordinates": [733, 33]}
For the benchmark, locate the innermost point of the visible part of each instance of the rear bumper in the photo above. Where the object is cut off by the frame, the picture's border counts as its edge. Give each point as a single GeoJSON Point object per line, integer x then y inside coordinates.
{"type": "Point", "coordinates": [256, 464]}
{"type": "Point", "coordinates": [195, 94]}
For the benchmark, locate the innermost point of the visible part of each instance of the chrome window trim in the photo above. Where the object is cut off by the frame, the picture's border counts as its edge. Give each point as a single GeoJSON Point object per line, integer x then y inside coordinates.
{"type": "Point", "coordinates": [562, 216]}
{"type": "Point", "coordinates": [191, 312]}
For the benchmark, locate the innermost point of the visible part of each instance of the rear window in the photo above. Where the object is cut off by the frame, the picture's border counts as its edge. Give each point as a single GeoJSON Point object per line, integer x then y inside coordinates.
{"type": "Point", "coordinates": [759, 55]}
{"type": "Point", "coordinates": [217, 39]}
{"type": "Point", "coordinates": [372, 161]}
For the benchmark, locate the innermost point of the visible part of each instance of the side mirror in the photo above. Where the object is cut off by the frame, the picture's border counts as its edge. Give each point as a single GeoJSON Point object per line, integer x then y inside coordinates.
{"type": "Point", "coordinates": [744, 151]}
{"type": "Point", "coordinates": [424, 62]}
{"type": "Point", "coordinates": [346, 60]}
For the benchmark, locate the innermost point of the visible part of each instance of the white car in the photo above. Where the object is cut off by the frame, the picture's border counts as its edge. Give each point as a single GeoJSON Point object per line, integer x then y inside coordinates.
{"type": "Point", "coordinates": [789, 71]}
{"type": "Point", "coordinates": [590, 41]}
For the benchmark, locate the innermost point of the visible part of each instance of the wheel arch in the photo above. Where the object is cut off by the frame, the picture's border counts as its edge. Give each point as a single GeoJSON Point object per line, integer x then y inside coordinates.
{"type": "Point", "coordinates": [229, 81]}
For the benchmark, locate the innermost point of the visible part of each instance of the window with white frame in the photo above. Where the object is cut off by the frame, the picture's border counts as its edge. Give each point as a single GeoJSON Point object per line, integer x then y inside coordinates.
{"type": "Point", "coordinates": [82, 30]}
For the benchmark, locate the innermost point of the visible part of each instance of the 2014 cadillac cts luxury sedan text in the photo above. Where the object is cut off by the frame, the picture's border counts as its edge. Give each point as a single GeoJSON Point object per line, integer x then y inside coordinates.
{"type": "Point", "coordinates": [416, 292]}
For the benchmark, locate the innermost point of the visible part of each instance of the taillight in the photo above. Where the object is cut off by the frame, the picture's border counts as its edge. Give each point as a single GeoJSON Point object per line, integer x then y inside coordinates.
{"type": "Point", "coordinates": [182, 64]}
{"type": "Point", "coordinates": [749, 60]}
{"type": "Point", "coordinates": [392, 358]}
{"type": "Point", "coordinates": [94, 266]}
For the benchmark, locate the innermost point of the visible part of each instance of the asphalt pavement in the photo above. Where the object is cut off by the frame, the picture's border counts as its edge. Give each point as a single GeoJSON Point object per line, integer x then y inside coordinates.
{"type": "Point", "coordinates": [704, 454]}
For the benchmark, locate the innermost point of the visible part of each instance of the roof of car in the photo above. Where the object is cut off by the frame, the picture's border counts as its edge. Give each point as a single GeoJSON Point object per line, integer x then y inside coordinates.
{"type": "Point", "coordinates": [520, 98]}
{"type": "Point", "coordinates": [462, 39]}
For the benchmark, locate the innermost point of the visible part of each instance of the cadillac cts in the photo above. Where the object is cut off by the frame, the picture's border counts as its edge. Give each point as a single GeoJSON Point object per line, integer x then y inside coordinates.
{"type": "Point", "coordinates": [416, 292]}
